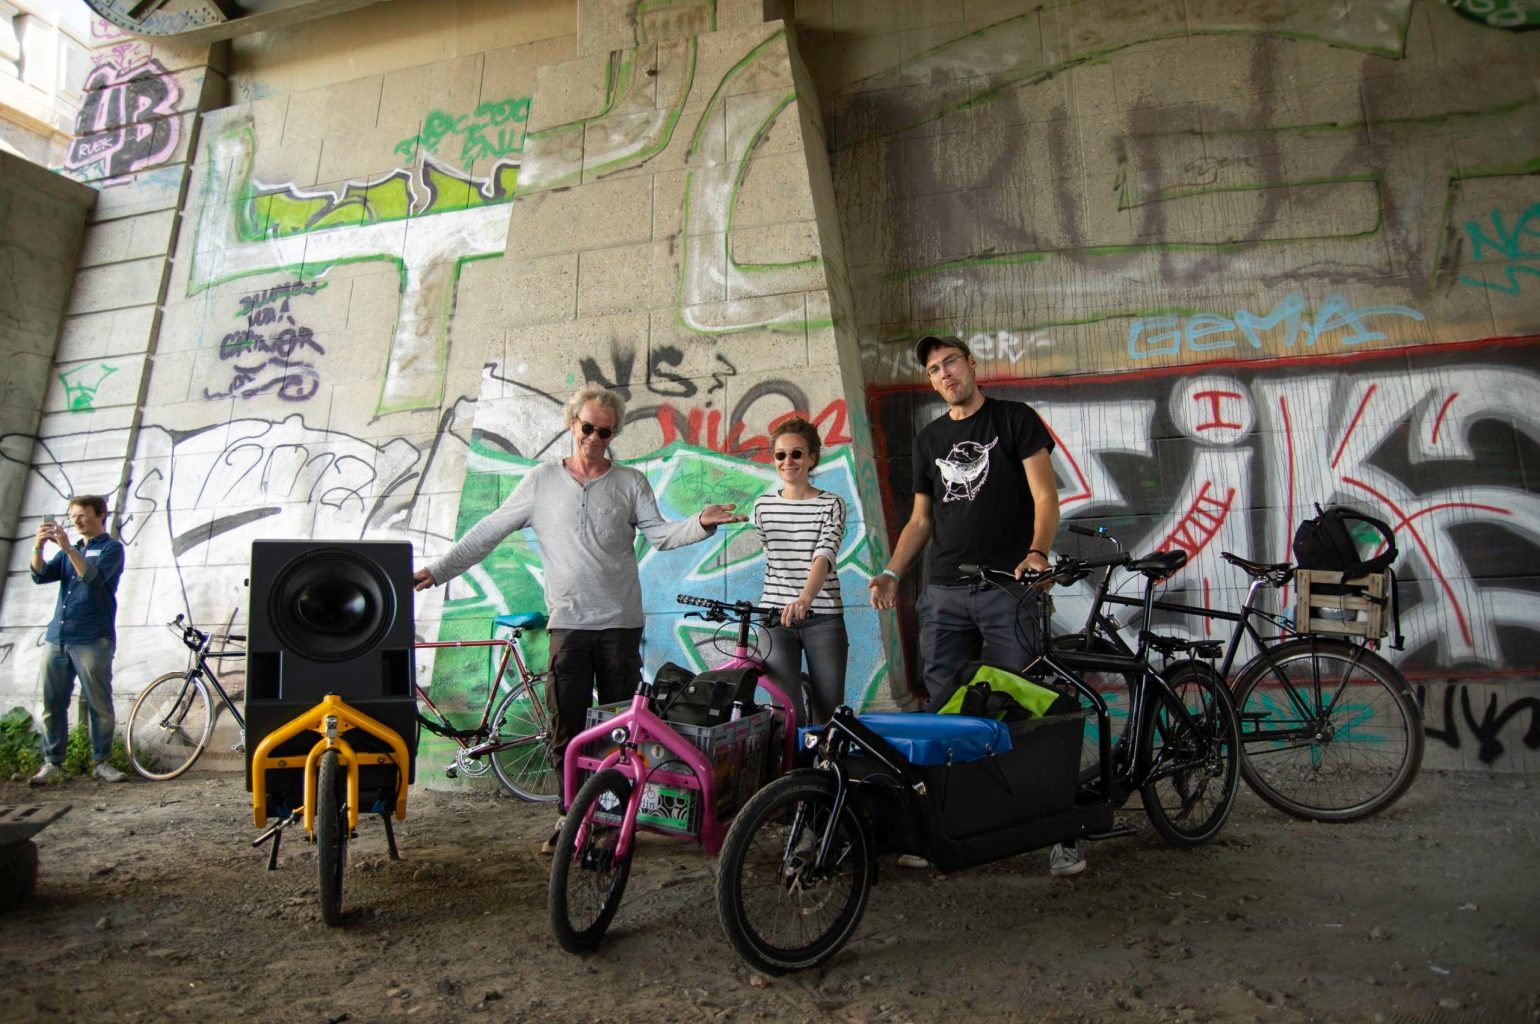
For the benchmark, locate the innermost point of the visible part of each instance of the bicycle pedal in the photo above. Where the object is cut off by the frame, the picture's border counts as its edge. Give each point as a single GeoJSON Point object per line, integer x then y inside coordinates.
{"type": "Point", "coordinates": [452, 771]}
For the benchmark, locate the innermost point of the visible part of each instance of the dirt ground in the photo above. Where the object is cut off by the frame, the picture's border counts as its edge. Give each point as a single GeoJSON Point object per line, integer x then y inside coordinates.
{"type": "Point", "coordinates": [153, 906]}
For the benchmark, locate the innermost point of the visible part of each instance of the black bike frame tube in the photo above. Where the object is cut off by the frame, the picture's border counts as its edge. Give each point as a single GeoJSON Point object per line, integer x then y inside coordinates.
{"type": "Point", "coordinates": [1242, 619]}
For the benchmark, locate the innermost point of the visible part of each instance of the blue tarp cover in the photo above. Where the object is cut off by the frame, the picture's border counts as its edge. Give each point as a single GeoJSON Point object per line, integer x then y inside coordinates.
{"type": "Point", "coordinates": [935, 739]}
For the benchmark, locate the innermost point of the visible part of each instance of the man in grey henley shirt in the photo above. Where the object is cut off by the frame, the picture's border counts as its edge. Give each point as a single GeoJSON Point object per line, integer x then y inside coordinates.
{"type": "Point", "coordinates": [585, 511]}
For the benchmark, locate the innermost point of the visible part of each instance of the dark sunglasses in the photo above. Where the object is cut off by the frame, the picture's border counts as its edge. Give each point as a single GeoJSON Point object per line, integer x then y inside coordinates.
{"type": "Point", "coordinates": [795, 453]}
{"type": "Point", "coordinates": [605, 433]}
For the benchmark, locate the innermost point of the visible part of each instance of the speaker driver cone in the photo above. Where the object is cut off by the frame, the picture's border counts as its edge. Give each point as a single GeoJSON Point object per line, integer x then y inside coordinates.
{"type": "Point", "coordinates": [331, 605]}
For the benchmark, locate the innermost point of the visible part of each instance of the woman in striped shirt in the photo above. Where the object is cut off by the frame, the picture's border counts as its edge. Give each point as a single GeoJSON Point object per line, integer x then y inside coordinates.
{"type": "Point", "coordinates": [801, 528]}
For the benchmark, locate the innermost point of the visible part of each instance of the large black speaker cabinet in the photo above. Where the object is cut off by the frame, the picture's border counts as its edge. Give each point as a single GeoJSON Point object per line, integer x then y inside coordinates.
{"type": "Point", "coordinates": [329, 617]}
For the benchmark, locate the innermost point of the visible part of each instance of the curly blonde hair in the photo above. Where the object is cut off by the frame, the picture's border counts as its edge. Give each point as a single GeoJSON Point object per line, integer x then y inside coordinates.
{"type": "Point", "coordinates": [606, 399]}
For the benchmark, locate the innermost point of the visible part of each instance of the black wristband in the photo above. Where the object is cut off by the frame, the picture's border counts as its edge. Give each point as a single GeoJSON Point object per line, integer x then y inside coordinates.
{"type": "Point", "coordinates": [1035, 551]}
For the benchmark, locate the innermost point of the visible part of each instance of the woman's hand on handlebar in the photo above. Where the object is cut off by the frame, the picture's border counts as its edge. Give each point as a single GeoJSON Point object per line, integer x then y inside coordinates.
{"type": "Point", "coordinates": [795, 612]}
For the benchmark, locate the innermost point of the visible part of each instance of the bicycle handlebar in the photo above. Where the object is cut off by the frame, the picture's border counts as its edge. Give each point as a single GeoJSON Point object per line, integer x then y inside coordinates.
{"type": "Point", "coordinates": [1086, 531]}
{"type": "Point", "coordinates": [739, 608]}
{"type": "Point", "coordinates": [195, 639]}
{"type": "Point", "coordinates": [1065, 570]}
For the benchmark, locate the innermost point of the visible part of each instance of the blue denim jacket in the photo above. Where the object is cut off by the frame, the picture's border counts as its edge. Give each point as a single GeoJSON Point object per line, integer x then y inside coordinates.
{"type": "Point", "coordinates": [88, 605]}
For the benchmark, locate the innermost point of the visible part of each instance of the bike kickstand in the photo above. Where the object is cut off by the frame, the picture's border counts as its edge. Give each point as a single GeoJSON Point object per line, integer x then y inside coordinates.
{"type": "Point", "coordinates": [276, 835]}
{"type": "Point", "coordinates": [390, 835]}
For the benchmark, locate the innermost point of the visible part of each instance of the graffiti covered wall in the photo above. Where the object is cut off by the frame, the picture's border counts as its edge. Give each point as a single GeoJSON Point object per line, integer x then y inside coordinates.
{"type": "Point", "coordinates": [1244, 258]}
{"type": "Point", "coordinates": [381, 291]}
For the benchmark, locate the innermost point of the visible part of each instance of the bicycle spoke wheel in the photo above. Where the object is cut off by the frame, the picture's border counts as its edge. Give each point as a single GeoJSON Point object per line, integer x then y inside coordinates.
{"type": "Point", "coordinates": [523, 761]}
{"type": "Point", "coordinates": [168, 726]}
{"type": "Point", "coordinates": [331, 835]}
{"type": "Point", "coordinates": [1331, 730]}
{"type": "Point", "coordinates": [1193, 768]}
{"type": "Point", "coordinates": [587, 876]}
{"type": "Point", "coordinates": [781, 911]}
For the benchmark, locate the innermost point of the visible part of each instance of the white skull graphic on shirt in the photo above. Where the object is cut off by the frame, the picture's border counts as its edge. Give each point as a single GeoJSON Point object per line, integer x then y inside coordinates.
{"type": "Point", "coordinates": [965, 469]}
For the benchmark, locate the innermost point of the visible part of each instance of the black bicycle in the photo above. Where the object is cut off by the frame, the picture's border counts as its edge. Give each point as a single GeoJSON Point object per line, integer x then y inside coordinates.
{"type": "Point", "coordinates": [172, 719]}
{"type": "Point", "coordinates": [799, 861]}
{"type": "Point", "coordinates": [1330, 730]}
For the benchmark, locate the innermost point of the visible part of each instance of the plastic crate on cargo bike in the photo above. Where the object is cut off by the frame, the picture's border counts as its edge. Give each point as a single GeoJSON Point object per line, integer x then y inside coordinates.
{"type": "Point", "coordinates": [678, 759]}
{"type": "Point", "coordinates": [800, 858]}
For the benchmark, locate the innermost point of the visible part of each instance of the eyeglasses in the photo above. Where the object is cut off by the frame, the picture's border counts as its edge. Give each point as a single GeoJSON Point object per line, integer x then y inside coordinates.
{"type": "Point", "coordinates": [794, 454]}
{"type": "Point", "coordinates": [605, 433]}
{"type": "Point", "coordinates": [945, 364]}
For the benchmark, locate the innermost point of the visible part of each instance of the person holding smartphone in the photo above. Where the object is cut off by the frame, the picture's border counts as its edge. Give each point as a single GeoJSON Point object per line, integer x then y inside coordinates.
{"type": "Point", "coordinates": [82, 635]}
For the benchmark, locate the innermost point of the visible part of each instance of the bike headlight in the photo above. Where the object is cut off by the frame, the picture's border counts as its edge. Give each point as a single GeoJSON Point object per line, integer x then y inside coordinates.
{"type": "Point", "coordinates": [619, 734]}
{"type": "Point", "coordinates": [810, 740]}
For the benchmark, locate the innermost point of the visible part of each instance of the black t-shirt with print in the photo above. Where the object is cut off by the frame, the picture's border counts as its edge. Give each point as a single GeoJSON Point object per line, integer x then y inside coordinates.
{"type": "Point", "coordinates": [982, 510]}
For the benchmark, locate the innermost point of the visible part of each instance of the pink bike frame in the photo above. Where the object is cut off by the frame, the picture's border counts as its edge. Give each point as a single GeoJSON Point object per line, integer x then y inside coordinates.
{"type": "Point", "coordinates": [643, 726]}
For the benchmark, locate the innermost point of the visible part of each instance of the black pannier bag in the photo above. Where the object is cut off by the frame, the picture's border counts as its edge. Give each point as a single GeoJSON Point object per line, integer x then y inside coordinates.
{"type": "Point", "coordinates": [706, 699]}
{"type": "Point", "coordinates": [1326, 543]}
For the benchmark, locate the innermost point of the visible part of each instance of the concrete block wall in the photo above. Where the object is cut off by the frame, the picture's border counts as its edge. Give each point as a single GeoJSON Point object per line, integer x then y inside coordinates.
{"type": "Point", "coordinates": [676, 220]}
{"type": "Point", "coordinates": [42, 217]}
{"type": "Point", "coordinates": [1243, 258]}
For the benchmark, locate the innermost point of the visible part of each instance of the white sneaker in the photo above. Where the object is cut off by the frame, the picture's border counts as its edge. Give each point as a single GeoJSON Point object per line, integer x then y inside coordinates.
{"type": "Point", "coordinates": [1066, 860]}
{"type": "Point", "coordinates": [107, 773]}
{"type": "Point", "coordinates": [912, 860]}
{"type": "Point", "coordinates": [50, 772]}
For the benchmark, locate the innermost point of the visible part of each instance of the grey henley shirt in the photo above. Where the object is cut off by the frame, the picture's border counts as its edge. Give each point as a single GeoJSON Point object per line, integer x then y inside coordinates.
{"type": "Point", "coordinates": [587, 537]}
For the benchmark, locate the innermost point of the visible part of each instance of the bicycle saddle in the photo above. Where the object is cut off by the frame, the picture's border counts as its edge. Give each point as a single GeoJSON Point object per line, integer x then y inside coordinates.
{"type": "Point", "coordinates": [1159, 564]}
{"type": "Point", "coordinates": [521, 620]}
{"type": "Point", "coordinates": [1259, 570]}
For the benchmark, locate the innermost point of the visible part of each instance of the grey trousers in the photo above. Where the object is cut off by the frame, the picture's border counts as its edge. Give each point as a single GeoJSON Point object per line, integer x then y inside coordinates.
{"type": "Point", "coordinates": [822, 639]}
{"type": "Point", "coordinates": [959, 624]}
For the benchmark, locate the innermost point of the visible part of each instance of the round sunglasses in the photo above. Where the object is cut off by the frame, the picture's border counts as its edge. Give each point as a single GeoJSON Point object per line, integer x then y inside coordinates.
{"type": "Point", "coordinates": [795, 453]}
{"type": "Point", "coordinates": [605, 433]}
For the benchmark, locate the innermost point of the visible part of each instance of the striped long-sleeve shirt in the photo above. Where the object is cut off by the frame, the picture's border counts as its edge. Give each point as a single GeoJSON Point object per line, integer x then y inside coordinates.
{"type": "Point", "coordinates": [794, 533]}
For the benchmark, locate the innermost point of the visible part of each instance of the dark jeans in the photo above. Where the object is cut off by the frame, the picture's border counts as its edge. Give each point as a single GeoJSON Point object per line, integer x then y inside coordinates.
{"type": "Point", "coordinates": [582, 661]}
{"type": "Point", "coordinates": [91, 663]}
{"type": "Point", "coordinates": [822, 638]}
{"type": "Point", "coordinates": [969, 623]}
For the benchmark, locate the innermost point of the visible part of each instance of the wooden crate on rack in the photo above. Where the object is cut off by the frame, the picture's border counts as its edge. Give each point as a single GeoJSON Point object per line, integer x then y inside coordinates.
{"type": "Point", "coordinates": [1323, 606]}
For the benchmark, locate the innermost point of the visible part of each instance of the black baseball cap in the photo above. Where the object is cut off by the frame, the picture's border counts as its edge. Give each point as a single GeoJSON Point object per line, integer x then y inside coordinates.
{"type": "Point", "coordinates": [923, 347]}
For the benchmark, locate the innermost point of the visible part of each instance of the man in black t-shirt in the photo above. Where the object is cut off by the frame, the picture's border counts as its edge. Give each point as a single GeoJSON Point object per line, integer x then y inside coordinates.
{"type": "Point", "coordinates": [984, 494]}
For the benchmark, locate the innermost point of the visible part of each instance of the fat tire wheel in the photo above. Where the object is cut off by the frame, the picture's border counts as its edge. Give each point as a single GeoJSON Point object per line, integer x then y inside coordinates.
{"type": "Point", "coordinates": [525, 769]}
{"type": "Point", "coordinates": [1361, 758]}
{"type": "Point", "coordinates": [592, 876]}
{"type": "Point", "coordinates": [765, 873]}
{"type": "Point", "coordinates": [18, 873]}
{"type": "Point", "coordinates": [331, 836]}
{"type": "Point", "coordinates": [169, 726]}
{"type": "Point", "coordinates": [1189, 805]}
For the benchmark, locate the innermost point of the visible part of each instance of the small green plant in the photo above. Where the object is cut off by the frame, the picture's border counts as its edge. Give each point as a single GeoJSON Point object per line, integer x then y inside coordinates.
{"type": "Point", "coordinates": [19, 750]}
{"type": "Point", "coordinates": [77, 754]}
